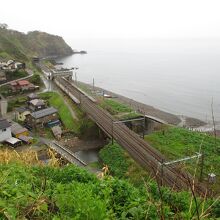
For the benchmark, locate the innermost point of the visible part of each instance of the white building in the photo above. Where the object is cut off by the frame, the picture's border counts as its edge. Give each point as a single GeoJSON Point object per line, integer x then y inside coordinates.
{"type": "Point", "coordinates": [5, 130]}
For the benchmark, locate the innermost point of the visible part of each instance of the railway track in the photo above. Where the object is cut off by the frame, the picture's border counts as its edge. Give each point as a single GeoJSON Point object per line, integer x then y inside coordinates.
{"type": "Point", "coordinates": [140, 150]}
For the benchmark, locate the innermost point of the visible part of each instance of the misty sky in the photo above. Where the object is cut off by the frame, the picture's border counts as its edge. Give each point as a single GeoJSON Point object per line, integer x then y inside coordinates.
{"type": "Point", "coordinates": [115, 18]}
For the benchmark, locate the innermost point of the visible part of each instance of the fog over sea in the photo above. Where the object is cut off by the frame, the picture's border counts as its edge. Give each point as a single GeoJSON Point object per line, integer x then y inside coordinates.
{"type": "Point", "coordinates": [178, 76]}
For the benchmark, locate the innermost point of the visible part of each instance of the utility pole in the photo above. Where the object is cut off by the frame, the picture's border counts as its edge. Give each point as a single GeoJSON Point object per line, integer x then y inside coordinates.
{"type": "Point", "coordinates": [75, 78]}
{"type": "Point", "coordinates": [143, 127]}
{"type": "Point", "coordinates": [93, 84]}
{"type": "Point", "coordinates": [162, 164]}
{"type": "Point", "coordinates": [75, 68]}
{"type": "Point", "coordinates": [201, 167]}
{"type": "Point", "coordinates": [162, 174]}
{"type": "Point", "coordinates": [112, 132]}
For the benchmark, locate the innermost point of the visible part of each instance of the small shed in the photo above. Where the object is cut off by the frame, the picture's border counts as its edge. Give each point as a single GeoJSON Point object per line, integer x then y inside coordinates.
{"type": "Point", "coordinates": [32, 96]}
{"type": "Point", "coordinates": [57, 131]}
{"type": "Point", "coordinates": [14, 142]}
{"type": "Point", "coordinates": [17, 130]}
{"type": "Point", "coordinates": [26, 139]}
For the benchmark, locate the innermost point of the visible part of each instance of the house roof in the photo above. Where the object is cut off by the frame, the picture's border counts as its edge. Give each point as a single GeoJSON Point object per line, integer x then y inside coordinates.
{"type": "Point", "coordinates": [13, 140]}
{"type": "Point", "coordinates": [33, 96]}
{"type": "Point", "coordinates": [4, 124]}
{"type": "Point", "coordinates": [56, 130]}
{"type": "Point", "coordinates": [25, 138]}
{"type": "Point", "coordinates": [17, 129]}
{"type": "Point", "coordinates": [44, 112]}
{"type": "Point", "coordinates": [23, 82]}
{"type": "Point", "coordinates": [22, 110]}
{"type": "Point", "coordinates": [13, 83]}
{"type": "Point", "coordinates": [37, 102]}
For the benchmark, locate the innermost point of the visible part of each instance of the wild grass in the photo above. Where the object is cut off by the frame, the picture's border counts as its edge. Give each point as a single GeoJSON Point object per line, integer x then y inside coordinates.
{"type": "Point", "coordinates": [57, 101]}
{"type": "Point", "coordinates": [26, 157]}
{"type": "Point", "coordinates": [119, 110]}
{"type": "Point", "coordinates": [31, 190]}
{"type": "Point", "coordinates": [176, 143]}
{"type": "Point", "coordinates": [122, 165]}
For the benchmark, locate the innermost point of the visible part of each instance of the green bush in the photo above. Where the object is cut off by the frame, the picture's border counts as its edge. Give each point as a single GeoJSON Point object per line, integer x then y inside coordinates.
{"type": "Point", "coordinates": [114, 157]}
{"type": "Point", "coordinates": [17, 74]}
{"type": "Point", "coordinates": [115, 107]}
{"type": "Point", "coordinates": [42, 192]}
{"type": "Point", "coordinates": [36, 80]}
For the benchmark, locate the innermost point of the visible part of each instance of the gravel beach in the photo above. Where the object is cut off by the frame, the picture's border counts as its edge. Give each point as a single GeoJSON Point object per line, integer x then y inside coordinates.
{"type": "Point", "coordinates": [172, 119]}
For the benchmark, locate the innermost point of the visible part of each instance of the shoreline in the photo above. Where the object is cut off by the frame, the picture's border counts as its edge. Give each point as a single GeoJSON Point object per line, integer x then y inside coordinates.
{"type": "Point", "coordinates": [177, 120]}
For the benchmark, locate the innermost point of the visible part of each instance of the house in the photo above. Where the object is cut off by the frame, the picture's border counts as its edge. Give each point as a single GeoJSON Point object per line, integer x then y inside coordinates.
{"type": "Point", "coordinates": [22, 85]}
{"type": "Point", "coordinates": [19, 65]}
{"type": "Point", "coordinates": [14, 86]}
{"type": "Point", "coordinates": [25, 85]}
{"type": "Point", "coordinates": [32, 96]}
{"type": "Point", "coordinates": [12, 65]}
{"type": "Point", "coordinates": [21, 113]}
{"type": "Point", "coordinates": [46, 117]}
{"type": "Point", "coordinates": [5, 130]}
{"type": "Point", "coordinates": [17, 130]}
{"type": "Point", "coordinates": [36, 105]}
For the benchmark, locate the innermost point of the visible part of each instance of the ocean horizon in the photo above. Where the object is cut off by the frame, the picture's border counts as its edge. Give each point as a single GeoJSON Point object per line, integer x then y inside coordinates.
{"type": "Point", "coordinates": [179, 76]}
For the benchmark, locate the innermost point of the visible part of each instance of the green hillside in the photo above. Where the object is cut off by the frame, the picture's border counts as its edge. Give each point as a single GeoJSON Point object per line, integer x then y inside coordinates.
{"type": "Point", "coordinates": [20, 46]}
{"type": "Point", "coordinates": [45, 192]}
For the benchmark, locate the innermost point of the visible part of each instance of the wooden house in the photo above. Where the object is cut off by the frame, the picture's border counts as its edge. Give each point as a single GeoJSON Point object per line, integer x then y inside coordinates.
{"type": "Point", "coordinates": [36, 105]}
{"type": "Point", "coordinates": [5, 130]}
{"type": "Point", "coordinates": [21, 113]}
{"type": "Point", "coordinates": [32, 96]}
{"type": "Point", "coordinates": [47, 117]}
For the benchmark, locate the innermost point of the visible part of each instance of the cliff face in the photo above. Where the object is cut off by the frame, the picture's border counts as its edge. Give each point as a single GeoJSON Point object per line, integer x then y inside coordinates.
{"type": "Point", "coordinates": [17, 45]}
{"type": "Point", "coordinates": [47, 45]}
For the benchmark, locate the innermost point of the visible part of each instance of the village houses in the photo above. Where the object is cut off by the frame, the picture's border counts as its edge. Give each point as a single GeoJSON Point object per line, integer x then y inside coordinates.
{"type": "Point", "coordinates": [5, 130]}
{"type": "Point", "coordinates": [47, 117]}
{"type": "Point", "coordinates": [11, 65]}
{"type": "Point", "coordinates": [22, 85]}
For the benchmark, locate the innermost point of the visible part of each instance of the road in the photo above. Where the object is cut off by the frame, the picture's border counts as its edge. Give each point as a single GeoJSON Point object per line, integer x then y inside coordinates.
{"type": "Point", "coordinates": [30, 74]}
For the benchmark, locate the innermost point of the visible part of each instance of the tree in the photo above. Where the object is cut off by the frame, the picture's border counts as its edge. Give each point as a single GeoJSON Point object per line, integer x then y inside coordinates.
{"type": "Point", "coordinates": [3, 26]}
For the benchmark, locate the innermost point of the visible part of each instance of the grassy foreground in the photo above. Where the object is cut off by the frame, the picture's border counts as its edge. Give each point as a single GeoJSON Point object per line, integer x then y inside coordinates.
{"type": "Point", "coordinates": [48, 192]}
{"type": "Point", "coordinates": [121, 165]}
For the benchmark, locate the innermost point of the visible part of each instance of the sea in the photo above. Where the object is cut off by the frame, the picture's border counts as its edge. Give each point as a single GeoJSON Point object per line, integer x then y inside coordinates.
{"type": "Point", "coordinates": [179, 76]}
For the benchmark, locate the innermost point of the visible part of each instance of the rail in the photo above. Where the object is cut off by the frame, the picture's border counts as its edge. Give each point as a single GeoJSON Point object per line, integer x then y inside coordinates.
{"type": "Point", "coordinates": [142, 152]}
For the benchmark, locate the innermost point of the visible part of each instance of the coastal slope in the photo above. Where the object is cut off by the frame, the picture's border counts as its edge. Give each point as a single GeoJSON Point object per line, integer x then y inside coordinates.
{"type": "Point", "coordinates": [21, 46]}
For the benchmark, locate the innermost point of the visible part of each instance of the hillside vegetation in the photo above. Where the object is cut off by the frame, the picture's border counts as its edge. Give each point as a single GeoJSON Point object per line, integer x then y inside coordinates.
{"type": "Point", "coordinates": [50, 192]}
{"type": "Point", "coordinates": [20, 46]}
{"type": "Point", "coordinates": [177, 143]}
